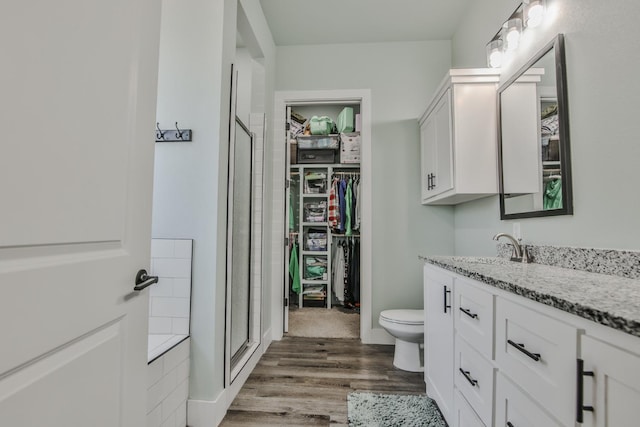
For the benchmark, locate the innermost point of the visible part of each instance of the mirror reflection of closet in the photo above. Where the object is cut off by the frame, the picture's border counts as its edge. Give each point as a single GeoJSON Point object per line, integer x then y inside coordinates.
{"type": "Point", "coordinates": [535, 168]}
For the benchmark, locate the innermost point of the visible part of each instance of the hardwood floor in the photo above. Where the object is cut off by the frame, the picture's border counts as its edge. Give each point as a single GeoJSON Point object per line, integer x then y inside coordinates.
{"type": "Point", "coordinates": [305, 382]}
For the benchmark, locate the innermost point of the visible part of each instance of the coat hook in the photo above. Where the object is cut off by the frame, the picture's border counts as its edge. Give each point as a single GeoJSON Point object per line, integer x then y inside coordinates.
{"type": "Point", "coordinates": [179, 135]}
{"type": "Point", "coordinates": [159, 134]}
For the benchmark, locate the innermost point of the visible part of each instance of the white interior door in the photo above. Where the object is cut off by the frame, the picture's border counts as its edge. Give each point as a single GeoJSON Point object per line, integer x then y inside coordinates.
{"type": "Point", "coordinates": [77, 106]}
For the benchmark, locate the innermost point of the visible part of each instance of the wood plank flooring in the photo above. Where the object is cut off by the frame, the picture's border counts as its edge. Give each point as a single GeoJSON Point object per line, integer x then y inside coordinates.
{"type": "Point", "coordinates": [305, 382]}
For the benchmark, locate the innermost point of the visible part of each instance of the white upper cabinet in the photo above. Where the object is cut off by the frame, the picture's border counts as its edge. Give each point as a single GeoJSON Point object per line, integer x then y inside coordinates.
{"type": "Point", "coordinates": [458, 139]}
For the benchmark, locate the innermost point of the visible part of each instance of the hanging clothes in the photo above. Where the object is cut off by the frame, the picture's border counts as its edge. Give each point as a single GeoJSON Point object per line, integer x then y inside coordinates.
{"type": "Point", "coordinates": [337, 277]}
{"type": "Point", "coordinates": [552, 198]}
{"type": "Point", "coordinates": [294, 268]}
{"type": "Point", "coordinates": [334, 209]}
{"type": "Point", "coordinates": [348, 212]}
{"type": "Point", "coordinates": [342, 190]}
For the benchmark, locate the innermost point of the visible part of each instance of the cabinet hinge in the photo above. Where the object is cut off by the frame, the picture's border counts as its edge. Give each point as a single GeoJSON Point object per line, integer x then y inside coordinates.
{"type": "Point", "coordinates": [287, 126]}
{"type": "Point", "coordinates": [287, 183]}
{"type": "Point", "coordinates": [286, 241]}
{"type": "Point", "coordinates": [286, 302]}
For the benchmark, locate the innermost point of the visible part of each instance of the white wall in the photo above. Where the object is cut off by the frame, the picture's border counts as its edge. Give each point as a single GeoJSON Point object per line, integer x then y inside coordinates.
{"type": "Point", "coordinates": [196, 47]}
{"type": "Point", "coordinates": [190, 183]}
{"type": "Point", "coordinates": [402, 77]}
{"type": "Point", "coordinates": [602, 42]}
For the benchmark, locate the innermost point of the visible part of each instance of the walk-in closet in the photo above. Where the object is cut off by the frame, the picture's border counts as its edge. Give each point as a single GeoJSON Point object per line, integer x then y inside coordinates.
{"type": "Point", "coordinates": [323, 219]}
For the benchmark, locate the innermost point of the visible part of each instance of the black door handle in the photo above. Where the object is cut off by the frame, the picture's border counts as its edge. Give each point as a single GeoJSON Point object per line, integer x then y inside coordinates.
{"type": "Point", "coordinates": [580, 407]}
{"type": "Point", "coordinates": [469, 313]}
{"type": "Point", "coordinates": [143, 280]}
{"type": "Point", "coordinates": [509, 424]}
{"type": "Point", "coordinates": [446, 291]}
{"type": "Point", "coordinates": [534, 356]}
{"type": "Point", "coordinates": [468, 377]}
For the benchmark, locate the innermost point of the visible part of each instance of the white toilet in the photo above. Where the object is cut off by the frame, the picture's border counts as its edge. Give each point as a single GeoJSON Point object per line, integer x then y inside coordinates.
{"type": "Point", "coordinates": [407, 326]}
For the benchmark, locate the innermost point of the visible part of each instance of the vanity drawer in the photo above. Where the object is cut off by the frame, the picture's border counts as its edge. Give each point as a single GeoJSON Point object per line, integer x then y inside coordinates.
{"type": "Point", "coordinates": [473, 308]}
{"type": "Point", "coordinates": [538, 353]}
{"type": "Point", "coordinates": [513, 406]}
{"type": "Point", "coordinates": [463, 415]}
{"type": "Point", "coordinates": [474, 379]}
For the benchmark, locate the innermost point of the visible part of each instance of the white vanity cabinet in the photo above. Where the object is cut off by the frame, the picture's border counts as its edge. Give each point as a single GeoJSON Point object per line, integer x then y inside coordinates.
{"type": "Point", "coordinates": [438, 338]}
{"type": "Point", "coordinates": [506, 360]}
{"type": "Point", "coordinates": [458, 139]}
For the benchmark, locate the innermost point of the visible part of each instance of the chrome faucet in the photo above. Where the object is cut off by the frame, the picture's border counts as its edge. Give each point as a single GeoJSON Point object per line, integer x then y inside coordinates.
{"type": "Point", "coordinates": [518, 253]}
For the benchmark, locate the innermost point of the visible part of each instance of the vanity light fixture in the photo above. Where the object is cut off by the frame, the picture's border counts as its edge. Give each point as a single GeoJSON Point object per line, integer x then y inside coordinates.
{"type": "Point", "coordinates": [528, 14]}
{"type": "Point", "coordinates": [533, 13]}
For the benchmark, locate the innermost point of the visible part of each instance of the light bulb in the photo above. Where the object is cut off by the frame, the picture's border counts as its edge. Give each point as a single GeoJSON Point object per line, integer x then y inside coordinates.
{"type": "Point", "coordinates": [495, 59]}
{"type": "Point", "coordinates": [494, 53]}
{"type": "Point", "coordinates": [534, 12]}
{"type": "Point", "coordinates": [512, 30]}
{"type": "Point", "coordinates": [513, 38]}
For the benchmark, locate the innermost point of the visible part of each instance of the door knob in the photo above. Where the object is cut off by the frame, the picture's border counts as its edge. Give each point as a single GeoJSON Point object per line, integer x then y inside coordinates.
{"type": "Point", "coordinates": [143, 280]}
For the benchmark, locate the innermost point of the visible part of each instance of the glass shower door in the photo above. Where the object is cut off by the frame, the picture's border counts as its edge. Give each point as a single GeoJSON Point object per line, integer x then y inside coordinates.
{"type": "Point", "coordinates": [240, 187]}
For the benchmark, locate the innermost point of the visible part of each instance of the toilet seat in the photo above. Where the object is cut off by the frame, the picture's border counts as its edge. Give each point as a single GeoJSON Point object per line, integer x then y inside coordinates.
{"type": "Point", "coordinates": [403, 317]}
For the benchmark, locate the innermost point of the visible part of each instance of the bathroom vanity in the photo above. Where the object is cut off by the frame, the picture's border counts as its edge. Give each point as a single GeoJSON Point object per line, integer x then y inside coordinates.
{"type": "Point", "coordinates": [512, 344]}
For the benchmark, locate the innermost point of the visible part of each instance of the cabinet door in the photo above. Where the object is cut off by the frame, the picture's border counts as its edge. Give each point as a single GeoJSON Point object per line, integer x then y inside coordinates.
{"type": "Point", "coordinates": [437, 149]}
{"type": "Point", "coordinates": [614, 390]}
{"type": "Point", "coordinates": [439, 338]}
{"type": "Point", "coordinates": [443, 179]}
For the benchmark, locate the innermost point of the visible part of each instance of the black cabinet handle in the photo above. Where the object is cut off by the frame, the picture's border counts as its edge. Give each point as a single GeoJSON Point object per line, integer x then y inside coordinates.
{"type": "Point", "coordinates": [468, 377]}
{"type": "Point", "coordinates": [509, 424]}
{"type": "Point", "coordinates": [534, 356]}
{"type": "Point", "coordinates": [469, 313]}
{"type": "Point", "coordinates": [446, 305]}
{"type": "Point", "coordinates": [580, 407]}
{"type": "Point", "coordinates": [143, 280]}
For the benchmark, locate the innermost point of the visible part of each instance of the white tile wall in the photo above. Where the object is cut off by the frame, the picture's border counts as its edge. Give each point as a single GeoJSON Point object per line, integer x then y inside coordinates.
{"type": "Point", "coordinates": [170, 298]}
{"type": "Point", "coordinates": [168, 387]}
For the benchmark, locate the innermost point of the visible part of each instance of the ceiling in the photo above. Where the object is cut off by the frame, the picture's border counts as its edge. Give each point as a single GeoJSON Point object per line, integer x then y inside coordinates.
{"type": "Point", "coordinates": [303, 22]}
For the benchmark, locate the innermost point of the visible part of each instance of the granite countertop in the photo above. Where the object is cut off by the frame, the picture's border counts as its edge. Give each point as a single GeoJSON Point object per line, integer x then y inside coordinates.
{"type": "Point", "coordinates": [609, 300]}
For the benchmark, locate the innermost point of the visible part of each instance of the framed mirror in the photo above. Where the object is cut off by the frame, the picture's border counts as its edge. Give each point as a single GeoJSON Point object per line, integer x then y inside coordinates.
{"type": "Point", "coordinates": [533, 136]}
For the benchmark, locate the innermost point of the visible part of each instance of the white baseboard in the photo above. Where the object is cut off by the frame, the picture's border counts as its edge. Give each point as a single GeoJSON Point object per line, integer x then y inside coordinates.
{"type": "Point", "coordinates": [378, 336]}
{"type": "Point", "coordinates": [267, 339]}
{"type": "Point", "coordinates": [206, 413]}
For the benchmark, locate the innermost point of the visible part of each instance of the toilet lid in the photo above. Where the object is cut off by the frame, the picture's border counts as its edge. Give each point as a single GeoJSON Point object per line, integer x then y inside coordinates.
{"type": "Point", "coordinates": [406, 317]}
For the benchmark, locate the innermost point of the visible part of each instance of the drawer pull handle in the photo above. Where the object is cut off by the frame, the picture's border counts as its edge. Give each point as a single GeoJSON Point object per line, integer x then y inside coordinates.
{"type": "Point", "coordinates": [469, 313]}
{"type": "Point", "coordinates": [468, 377]}
{"type": "Point", "coordinates": [446, 305]}
{"type": "Point", "coordinates": [509, 424]}
{"type": "Point", "coordinates": [534, 356]}
{"type": "Point", "coordinates": [580, 391]}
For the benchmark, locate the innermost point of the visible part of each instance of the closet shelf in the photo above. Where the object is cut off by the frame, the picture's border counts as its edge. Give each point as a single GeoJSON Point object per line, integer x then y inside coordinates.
{"type": "Point", "coordinates": [319, 195]}
{"type": "Point", "coordinates": [314, 252]}
{"type": "Point", "coordinates": [318, 224]}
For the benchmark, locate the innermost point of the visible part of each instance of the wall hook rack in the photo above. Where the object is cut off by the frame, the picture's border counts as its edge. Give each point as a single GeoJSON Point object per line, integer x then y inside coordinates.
{"type": "Point", "coordinates": [172, 135]}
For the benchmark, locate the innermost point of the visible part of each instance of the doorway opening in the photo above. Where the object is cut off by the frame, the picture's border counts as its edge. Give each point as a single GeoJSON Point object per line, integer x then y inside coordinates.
{"type": "Point", "coordinates": [325, 219]}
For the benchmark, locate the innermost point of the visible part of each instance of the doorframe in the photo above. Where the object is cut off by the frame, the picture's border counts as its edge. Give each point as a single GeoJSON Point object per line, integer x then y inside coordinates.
{"type": "Point", "coordinates": [282, 99]}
